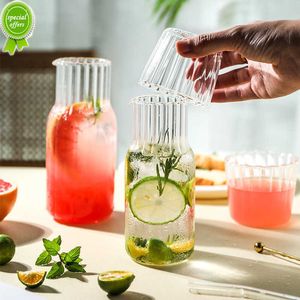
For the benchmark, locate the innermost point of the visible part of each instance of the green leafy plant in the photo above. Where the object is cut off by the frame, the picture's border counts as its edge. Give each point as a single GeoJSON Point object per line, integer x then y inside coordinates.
{"type": "Point", "coordinates": [167, 165]}
{"type": "Point", "coordinates": [67, 260]}
{"type": "Point", "coordinates": [131, 158]}
{"type": "Point", "coordinates": [140, 242]}
{"type": "Point", "coordinates": [167, 10]}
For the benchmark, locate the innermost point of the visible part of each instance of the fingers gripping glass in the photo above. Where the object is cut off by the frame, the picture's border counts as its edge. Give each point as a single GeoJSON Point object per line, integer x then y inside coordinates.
{"type": "Point", "coordinates": [169, 73]}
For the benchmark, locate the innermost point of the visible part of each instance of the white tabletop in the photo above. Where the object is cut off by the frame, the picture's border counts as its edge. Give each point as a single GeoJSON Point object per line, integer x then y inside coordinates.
{"type": "Point", "coordinates": [223, 253]}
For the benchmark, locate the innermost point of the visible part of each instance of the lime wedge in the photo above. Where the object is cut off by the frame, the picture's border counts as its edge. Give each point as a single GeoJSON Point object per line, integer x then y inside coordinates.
{"type": "Point", "coordinates": [149, 207]}
{"type": "Point", "coordinates": [115, 282]}
{"type": "Point", "coordinates": [182, 246]}
{"type": "Point", "coordinates": [159, 252]}
{"type": "Point", "coordinates": [135, 250]}
{"type": "Point", "coordinates": [32, 279]}
{"type": "Point", "coordinates": [189, 190]}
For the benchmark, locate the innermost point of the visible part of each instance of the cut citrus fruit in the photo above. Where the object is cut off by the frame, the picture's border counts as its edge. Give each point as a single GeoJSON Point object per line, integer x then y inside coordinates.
{"type": "Point", "coordinates": [115, 282]}
{"type": "Point", "coordinates": [182, 246]}
{"type": "Point", "coordinates": [7, 249]}
{"type": "Point", "coordinates": [32, 279]}
{"type": "Point", "coordinates": [149, 207]}
{"type": "Point", "coordinates": [136, 251]}
{"type": "Point", "coordinates": [159, 252]}
{"type": "Point", "coordinates": [8, 196]}
{"type": "Point", "coordinates": [189, 190]}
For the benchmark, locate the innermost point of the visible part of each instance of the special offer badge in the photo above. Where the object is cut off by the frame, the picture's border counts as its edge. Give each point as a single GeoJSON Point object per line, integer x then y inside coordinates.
{"type": "Point", "coordinates": [17, 24]}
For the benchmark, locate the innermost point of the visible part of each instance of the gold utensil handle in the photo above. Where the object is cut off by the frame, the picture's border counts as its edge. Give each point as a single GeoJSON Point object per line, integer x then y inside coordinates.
{"type": "Point", "coordinates": [259, 247]}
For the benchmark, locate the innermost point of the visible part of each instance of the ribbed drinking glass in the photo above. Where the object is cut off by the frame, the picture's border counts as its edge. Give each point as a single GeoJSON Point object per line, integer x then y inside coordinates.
{"type": "Point", "coordinates": [261, 187]}
{"type": "Point", "coordinates": [169, 73]}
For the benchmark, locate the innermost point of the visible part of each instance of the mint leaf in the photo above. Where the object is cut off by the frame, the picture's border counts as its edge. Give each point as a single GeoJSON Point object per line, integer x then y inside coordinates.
{"type": "Point", "coordinates": [67, 260]}
{"type": "Point", "coordinates": [73, 254]}
{"type": "Point", "coordinates": [56, 271]}
{"type": "Point", "coordinates": [57, 240]}
{"type": "Point", "coordinates": [51, 246]}
{"type": "Point", "coordinates": [63, 257]}
{"type": "Point", "coordinates": [43, 259]}
{"type": "Point", "coordinates": [75, 267]}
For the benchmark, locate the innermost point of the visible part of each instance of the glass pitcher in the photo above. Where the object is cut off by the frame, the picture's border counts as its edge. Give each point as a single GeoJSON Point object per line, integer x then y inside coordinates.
{"type": "Point", "coordinates": [81, 142]}
{"type": "Point", "coordinates": [159, 183]}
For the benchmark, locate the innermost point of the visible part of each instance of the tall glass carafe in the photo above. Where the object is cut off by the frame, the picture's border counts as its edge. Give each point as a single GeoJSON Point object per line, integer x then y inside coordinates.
{"type": "Point", "coordinates": [160, 178]}
{"type": "Point", "coordinates": [81, 142]}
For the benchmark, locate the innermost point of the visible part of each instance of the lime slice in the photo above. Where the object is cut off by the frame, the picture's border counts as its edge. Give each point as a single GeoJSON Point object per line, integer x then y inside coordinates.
{"type": "Point", "coordinates": [182, 246]}
{"type": "Point", "coordinates": [32, 279]}
{"type": "Point", "coordinates": [136, 251]}
{"type": "Point", "coordinates": [159, 252]}
{"type": "Point", "coordinates": [115, 282]}
{"type": "Point", "coordinates": [149, 207]}
{"type": "Point", "coordinates": [189, 190]}
{"type": "Point", "coordinates": [7, 249]}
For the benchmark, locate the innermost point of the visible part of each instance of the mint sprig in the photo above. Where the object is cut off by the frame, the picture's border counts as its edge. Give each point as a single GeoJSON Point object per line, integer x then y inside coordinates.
{"type": "Point", "coordinates": [67, 260]}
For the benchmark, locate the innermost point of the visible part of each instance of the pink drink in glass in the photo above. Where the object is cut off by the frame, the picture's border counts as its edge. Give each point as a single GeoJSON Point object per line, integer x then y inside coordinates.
{"type": "Point", "coordinates": [259, 202]}
{"type": "Point", "coordinates": [81, 142]}
{"type": "Point", "coordinates": [81, 150]}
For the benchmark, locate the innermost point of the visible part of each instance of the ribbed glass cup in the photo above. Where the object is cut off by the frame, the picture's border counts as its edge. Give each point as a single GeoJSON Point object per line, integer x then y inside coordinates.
{"type": "Point", "coordinates": [167, 72]}
{"type": "Point", "coordinates": [261, 187]}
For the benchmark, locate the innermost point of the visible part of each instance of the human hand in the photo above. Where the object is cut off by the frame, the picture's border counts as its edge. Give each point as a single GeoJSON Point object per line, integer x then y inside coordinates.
{"type": "Point", "coordinates": [270, 49]}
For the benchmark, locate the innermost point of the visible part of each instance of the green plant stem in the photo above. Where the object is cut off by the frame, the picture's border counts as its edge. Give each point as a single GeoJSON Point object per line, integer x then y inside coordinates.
{"type": "Point", "coordinates": [167, 167]}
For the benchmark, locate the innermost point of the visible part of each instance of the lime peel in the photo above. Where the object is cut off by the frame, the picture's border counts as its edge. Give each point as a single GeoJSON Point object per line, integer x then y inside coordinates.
{"type": "Point", "coordinates": [189, 190]}
{"type": "Point", "coordinates": [115, 282]}
{"type": "Point", "coordinates": [159, 252]}
{"type": "Point", "coordinates": [7, 249]}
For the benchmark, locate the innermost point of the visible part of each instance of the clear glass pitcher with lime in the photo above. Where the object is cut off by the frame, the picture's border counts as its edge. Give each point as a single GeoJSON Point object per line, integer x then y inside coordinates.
{"type": "Point", "coordinates": [160, 178]}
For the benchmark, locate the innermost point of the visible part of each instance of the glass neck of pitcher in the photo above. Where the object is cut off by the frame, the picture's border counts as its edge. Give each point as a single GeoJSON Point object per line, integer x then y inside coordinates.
{"type": "Point", "coordinates": [83, 79]}
{"type": "Point", "coordinates": [160, 120]}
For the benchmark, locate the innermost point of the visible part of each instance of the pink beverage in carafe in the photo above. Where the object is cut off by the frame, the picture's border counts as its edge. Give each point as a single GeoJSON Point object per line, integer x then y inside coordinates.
{"type": "Point", "coordinates": [81, 143]}
{"type": "Point", "coordinates": [260, 202]}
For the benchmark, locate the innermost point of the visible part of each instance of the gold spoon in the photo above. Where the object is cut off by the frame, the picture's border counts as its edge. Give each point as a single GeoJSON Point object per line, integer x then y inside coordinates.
{"type": "Point", "coordinates": [259, 247]}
